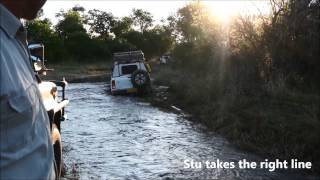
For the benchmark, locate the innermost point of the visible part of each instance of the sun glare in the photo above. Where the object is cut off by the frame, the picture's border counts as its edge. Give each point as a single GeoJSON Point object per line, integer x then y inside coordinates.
{"type": "Point", "coordinates": [223, 11]}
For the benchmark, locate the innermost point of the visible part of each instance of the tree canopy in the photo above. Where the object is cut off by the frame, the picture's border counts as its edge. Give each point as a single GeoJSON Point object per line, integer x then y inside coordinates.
{"type": "Point", "coordinates": [284, 44]}
{"type": "Point", "coordinates": [100, 22]}
{"type": "Point", "coordinates": [142, 19]}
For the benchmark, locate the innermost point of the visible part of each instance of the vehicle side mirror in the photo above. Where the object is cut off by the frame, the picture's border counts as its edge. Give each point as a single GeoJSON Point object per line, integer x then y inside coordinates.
{"type": "Point", "coordinates": [37, 58]}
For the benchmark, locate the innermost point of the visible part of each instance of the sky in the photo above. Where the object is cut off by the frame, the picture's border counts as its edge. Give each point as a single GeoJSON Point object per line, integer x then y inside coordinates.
{"type": "Point", "coordinates": [159, 9]}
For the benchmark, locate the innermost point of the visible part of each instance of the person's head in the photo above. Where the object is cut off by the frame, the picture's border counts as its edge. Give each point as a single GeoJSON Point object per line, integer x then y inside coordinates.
{"type": "Point", "coordinates": [26, 9]}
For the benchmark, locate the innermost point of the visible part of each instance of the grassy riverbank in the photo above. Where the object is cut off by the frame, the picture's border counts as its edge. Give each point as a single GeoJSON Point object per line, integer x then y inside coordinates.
{"type": "Point", "coordinates": [79, 72]}
{"type": "Point", "coordinates": [278, 123]}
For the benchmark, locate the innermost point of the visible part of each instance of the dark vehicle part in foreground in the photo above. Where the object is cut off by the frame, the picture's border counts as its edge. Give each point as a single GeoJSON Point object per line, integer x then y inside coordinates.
{"type": "Point", "coordinates": [130, 73]}
{"type": "Point", "coordinates": [54, 101]}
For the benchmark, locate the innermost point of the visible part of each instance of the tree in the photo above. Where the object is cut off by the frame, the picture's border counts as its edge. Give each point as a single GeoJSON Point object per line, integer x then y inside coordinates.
{"type": "Point", "coordinates": [292, 39]}
{"type": "Point", "coordinates": [76, 41]}
{"type": "Point", "coordinates": [100, 22]}
{"type": "Point", "coordinates": [196, 37]}
{"type": "Point", "coordinates": [40, 31]}
{"type": "Point", "coordinates": [122, 26]}
{"type": "Point", "coordinates": [192, 23]}
{"type": "Point", "coordinates": [142, 19]}
{"type": "Point", "coordinates": [70, 23]}
{"type": "Point", "coordinates": [160, 39]}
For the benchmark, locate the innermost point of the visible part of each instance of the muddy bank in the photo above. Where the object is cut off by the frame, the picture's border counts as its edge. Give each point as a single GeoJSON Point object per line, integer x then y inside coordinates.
{"type": "Point", "coordinates": [281, 125]}
{"type": "Point", "coordinates": [79, 73]}
{"type": "Point", "coordinates": [165, 99]}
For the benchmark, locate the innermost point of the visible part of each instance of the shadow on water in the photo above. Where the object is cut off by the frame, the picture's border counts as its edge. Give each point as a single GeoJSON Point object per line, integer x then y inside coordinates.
{"type": "Point", "coordinates": [119, 137]}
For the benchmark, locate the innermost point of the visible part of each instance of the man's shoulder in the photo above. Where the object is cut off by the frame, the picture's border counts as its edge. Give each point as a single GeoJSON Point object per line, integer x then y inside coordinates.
{"type": "Point", "coordinates": [14, 64]}
{"type": "Point", "coordinates": [4, 39]}
{"type": "Point", "coordinates": [3, 35]}
{"type": "Point", "coordinates": [10, 47]}
{"type": "Point", "coordinates": [7, 49]}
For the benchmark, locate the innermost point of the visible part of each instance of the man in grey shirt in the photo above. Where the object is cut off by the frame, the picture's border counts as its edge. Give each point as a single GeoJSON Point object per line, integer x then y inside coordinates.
{"type": "Point", "coordinates": [25, 141]}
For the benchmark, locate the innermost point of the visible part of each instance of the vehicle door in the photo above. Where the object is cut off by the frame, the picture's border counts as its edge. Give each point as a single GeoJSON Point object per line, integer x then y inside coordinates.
{"type": "Point", "coordinates": [125, 71]}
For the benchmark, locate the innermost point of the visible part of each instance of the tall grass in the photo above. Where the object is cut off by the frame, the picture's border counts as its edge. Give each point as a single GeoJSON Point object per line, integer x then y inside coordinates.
{"type": "Point", "coordinates": [264, 117]}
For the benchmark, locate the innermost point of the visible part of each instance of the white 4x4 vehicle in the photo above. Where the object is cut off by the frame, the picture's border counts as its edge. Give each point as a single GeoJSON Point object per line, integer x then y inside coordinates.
{"type": "Point", "coordinates": [130, 73]}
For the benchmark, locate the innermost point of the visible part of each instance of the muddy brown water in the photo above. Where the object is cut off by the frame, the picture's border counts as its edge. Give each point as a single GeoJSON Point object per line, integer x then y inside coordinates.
{"type": "Point", "coordinates": [119, 137]}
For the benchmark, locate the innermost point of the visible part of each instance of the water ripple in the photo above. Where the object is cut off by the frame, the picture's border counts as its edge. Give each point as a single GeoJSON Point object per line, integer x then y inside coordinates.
{"type": "Point", "coordinates": [121, 138]}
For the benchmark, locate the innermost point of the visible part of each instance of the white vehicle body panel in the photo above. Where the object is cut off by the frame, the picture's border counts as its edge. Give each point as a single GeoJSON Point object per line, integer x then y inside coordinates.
{"type": "Point", "coordinates": [122, 83]}
{"type": "Point", "coordinates": [122, 80]}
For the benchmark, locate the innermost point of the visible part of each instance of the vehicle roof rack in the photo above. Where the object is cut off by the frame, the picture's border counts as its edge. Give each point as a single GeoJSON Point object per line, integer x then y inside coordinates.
{"type": "Point", "coordinates": [129, 56]}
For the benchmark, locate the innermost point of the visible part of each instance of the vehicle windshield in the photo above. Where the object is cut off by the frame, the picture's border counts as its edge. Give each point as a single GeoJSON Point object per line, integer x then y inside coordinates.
{"type": "Point", "coordinates": [128, 69]}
